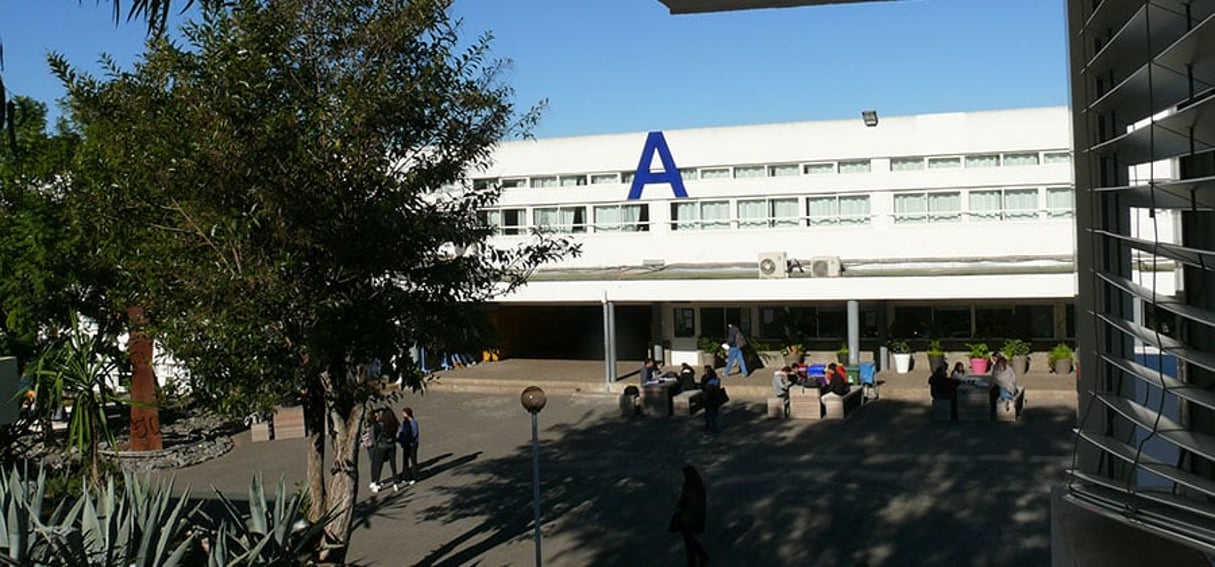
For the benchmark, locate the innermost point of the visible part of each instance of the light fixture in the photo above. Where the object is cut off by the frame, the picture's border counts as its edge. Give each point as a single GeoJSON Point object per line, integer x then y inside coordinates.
{"type": "Point", "coordinates": [870, 117]}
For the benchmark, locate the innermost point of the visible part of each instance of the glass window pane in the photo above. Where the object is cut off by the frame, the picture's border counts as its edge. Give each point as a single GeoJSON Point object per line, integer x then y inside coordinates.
{"type": "Point", "coordinates": [951, 322]}
{"type": "Point", "coordinates": [985, 205]}
{"type": "Point", "coordinates": [573, 180]}
{"type": "Point", "coordinates": [832, 323]}
{"type": "Point", "coordinates": [1021, 159]}
{"type": "Point", "coordinates": [945, 207]}
{"type": "Point", "coordinates": [605, 178]}
{"type": "Point", "coordinates": [854, 209]}
{"type": "Point", "coordinates": [1021, 204]}
{"type": "Point", "coordinates": [684, 216]}
{"type": "Point", "coordinates": [782, 170]}
{"type": "Point", "coordinates": [713, 323]}
{"type": "Point", "coordinates": [783, 212]}
{"type": "Point", "coordinates": [715, 173]}
{"type": "Point", "coordinates": [910, 208]}
{"type": "Point", "coordinates": [715, 215]}
{"type": "Point", "coordinates": [994, 322]}
{"type": "Point", "coordinates": [750, 171]}
{"type": "Point", "coordinates": [543, 182]}
{"type": "Point", "coordinates": [911, 321]}
{"type": "Point", "coordinates": [1056, 157]}
{"type": "Point", "coordinates": [944, 162]}
{"type": "Point", "coordinates": [481, 184]}
{"type": "Point", "coordinates": [752, 213]}
{"type": "Point", "coordinates": [513, 221]}
{"type": "Point", "coordinates": [627, 177]}
{"type": "Point", "coordinates": [685, 322]}
{"type": "Point", "coordinates": [1042, 321]}
{"type": "Point", "coordinates": [513, 183]}
{"type": "Point", "coordinates": [545, 219]}
{"type": "Point", "coordinates": [818, 168]}
{"type": "Point", "coordinates": [688, 174]}
{"type": "Point", "coordinates": [1059, 203]}
{"type": "Point", "coordinates": [821, 210]}
{"type": "Point", "coordinates": [983, 160]}
{"type": "Point", "coordinates": [607, 219]}
{"type": "Point", "coordinates": [857, 166]}
{"type": "Point", "coordinates": [906, 163]}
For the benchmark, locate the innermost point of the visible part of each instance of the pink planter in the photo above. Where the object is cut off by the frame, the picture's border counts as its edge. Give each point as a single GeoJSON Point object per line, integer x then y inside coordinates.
{"type": "Point", "coordinates": [978, 365]}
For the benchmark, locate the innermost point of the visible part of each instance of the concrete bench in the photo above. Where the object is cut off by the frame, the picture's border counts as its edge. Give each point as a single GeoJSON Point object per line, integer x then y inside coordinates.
{"type": "Point", "coordinates": [778, 408]}
{"type": "Point", "coordinates": [943, 409]}
{"type": "Point", "coordinates": [688, 402]}
{"type": "Point", "coordinates": [804, 403]}
{"type": "Point", "coordinates": [289, 423]}
{"type": "Point", "coordinates": [839, 407]}
{"type": "Point", "coordinates": [656, 399]}
{"type": "Point", "coordinates": [630, 402]}
{"type": "Point", "coordinates": [974, 403]}
{"type": "Point", "coordinates": [1010, 410]}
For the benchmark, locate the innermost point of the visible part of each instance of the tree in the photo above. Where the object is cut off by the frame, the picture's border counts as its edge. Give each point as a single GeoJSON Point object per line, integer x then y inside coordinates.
{"type": "Point", "coordinates": [291, 194]}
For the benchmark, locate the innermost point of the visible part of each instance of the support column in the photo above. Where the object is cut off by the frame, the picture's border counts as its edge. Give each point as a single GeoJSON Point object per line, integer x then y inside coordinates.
{"type": "Point", "coordinates": [609, 344]}
{"type": "Point", "coordinates": [854, 333]}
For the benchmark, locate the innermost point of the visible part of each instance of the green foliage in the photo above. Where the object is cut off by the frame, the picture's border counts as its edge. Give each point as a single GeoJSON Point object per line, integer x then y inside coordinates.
{"type": "Point", "coordinates": [979, 350]}
{"type": "Point", "coordinates": [1015, 347]}
{"type": "Point", "coordinates": [843, 350]}
{"type": "Point", "coordinates": [934, 348]}
{"type": "Point", "coordinates": [900, 346]}
{"type": "Point", "coordinates": [711, 345]}
{"type": "Point", "coordinates": [1060, 351]}
{"type": "Point", "coordinates": [273, 533]}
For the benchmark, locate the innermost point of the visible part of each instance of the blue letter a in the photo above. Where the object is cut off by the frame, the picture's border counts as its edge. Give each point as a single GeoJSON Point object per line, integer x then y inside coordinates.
{"type": "Point", "coordinates": [655, 142]}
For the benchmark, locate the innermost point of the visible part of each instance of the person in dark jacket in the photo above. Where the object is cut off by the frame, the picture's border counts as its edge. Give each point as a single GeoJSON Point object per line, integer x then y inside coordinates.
{"type": "Point", "coordinates": [689, 517]}
{"type": "Point", "coordinates": [941, 385]}
{"type": "Point", "coordinates": [838, 382]}
{"type": "Point", "coordinates": [715, 396]}
{"type": "Point", "coordinates": [687, 378]}
{"type": "Point", "coordinates": [383, 446]}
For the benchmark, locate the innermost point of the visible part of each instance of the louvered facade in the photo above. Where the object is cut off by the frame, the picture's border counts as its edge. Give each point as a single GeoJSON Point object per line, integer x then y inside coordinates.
{"type": "Point", "coordinates": [1144, 128]}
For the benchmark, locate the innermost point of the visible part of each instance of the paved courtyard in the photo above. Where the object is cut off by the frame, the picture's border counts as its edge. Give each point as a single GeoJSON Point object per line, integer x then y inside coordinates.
{"type": "Point", "coordinates": [885, 487]}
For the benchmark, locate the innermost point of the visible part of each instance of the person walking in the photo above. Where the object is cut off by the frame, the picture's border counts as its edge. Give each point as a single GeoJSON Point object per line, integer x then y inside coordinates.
{"type": "Point", "coordinates": [407, 437]}
{"type": "Point", "coordinates": [689, 517]}
{"type": "Point", "coordinates": [735, 341]}
{"type": "Point", "coordinates": [381, 446]}
{"type": "Point", "coordinates": [715, 396]}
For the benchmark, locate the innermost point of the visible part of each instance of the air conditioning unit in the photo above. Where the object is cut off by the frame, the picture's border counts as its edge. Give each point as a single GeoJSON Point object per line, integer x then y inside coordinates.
{"type": "Point", "coordinates": [772, 265]}
{"type": "Point", "coordinates": [825, 267]}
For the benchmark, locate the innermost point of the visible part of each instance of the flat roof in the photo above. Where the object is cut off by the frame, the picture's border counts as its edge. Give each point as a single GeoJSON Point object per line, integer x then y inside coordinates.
{"type": "Point", "coordinates": [700, 6]}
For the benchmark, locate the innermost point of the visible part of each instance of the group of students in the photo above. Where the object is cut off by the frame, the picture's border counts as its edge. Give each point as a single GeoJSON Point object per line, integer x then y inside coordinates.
{"type": "Point", "coordinates": [381, 438]}
{"type": "Point", "coordinates": [685, 378]}
{"type": "Point", "coordinates": [944, 384]}
{"type": "Point", "coordinates": [833, 380]}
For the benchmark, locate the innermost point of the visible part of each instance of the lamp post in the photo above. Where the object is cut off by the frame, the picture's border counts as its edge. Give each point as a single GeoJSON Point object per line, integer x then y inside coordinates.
{"type": "Point", "coordinates": [533, 401]}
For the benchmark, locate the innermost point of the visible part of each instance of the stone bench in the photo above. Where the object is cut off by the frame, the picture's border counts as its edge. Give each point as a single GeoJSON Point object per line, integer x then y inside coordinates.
{"type": "Point", "coordinates": [630, 402]}
{"type": "Point", "coordinates": [289, 423]}
{"type": "Point", "coordinates": [778, 408]}
{"type": "Point", "coordinates": [984, 404]}
{"type": "Point", "coordinates": [839, 407]}
{"type": "Point", "coordinates": [944, 409]}
{"type": "Point", "coordinates": [688, 402]}
{"type": "Point", "coordinates": [804, 403]}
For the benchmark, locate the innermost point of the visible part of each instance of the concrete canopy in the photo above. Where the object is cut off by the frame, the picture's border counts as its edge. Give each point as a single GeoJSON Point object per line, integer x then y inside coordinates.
{"type": "Point", "coordinates": [696, 6]}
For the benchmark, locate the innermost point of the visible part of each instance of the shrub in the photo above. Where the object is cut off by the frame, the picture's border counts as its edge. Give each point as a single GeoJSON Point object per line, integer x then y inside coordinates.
{"type": "Point", "coordinates": [1015, 347]}
{"type": "Point", "coordinates": [979, 350]}
{"type": "Point", "coordinates": [1060, 352]}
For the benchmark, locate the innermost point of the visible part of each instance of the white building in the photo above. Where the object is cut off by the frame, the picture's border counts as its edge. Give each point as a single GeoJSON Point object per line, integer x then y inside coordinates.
{"type": "Point", "coordinates": [953, 225]}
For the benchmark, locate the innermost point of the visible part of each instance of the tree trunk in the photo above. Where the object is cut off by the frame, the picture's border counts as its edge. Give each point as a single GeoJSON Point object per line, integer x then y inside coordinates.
{"type": "Point", "coordinates": [315, 418]}
{"type": "Point", "coordinates": [343, 479]}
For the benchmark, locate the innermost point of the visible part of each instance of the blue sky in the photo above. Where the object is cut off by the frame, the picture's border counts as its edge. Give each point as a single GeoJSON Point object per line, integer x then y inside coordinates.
{"type": "Point", "coordinates": [627, 65]}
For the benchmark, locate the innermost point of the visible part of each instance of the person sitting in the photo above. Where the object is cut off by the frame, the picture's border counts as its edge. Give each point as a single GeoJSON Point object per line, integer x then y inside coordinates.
{"type": "Point", "coordinates": [1005, 379]}
{"type": "Point", "coordinates": [942, 386]}
{"type": "Point", "coordinates": [825, 379]}
{"type": "Point", "coordinates": [838, 382]}
{"type": "Point", "coordinates": [649, 371]}
{"type": "Point", "coordinates": [781, 382]}
{"type": "Point", "coordinates": [687, 378]}
{"type": "Point", "coordinates": [959, 372]}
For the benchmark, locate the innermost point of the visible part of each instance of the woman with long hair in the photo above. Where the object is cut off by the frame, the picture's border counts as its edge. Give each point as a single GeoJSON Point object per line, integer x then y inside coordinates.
{"type": "Point", "coordinates": [689, 516]}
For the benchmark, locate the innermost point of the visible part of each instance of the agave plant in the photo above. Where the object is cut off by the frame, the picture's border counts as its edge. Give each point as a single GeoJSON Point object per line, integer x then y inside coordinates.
{"type": "Point", "coordinates": [273, 533]}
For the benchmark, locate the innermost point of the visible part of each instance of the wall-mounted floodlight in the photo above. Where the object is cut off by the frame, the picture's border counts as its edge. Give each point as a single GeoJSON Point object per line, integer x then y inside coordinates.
{"type": "Point", "coordinates": [870, 117]}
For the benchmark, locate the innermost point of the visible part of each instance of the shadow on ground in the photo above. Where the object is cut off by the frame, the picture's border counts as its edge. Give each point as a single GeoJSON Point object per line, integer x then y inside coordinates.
{"type": "Point", "coordinates": [885, 487]}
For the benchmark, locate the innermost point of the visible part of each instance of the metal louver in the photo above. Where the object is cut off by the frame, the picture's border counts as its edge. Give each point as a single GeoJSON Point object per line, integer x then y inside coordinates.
{"type": "Point", "coordinates": [1143, 101]}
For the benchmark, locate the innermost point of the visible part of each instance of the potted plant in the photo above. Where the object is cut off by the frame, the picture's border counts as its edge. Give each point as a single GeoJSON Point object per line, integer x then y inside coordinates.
{"type": "Point", "coordinates": [902, 355]}
{"type": "Point", "coordinates": [936, 356]}
{"type": "Point", "coordinates": [980, 355]}
{"type": "Point", "coordinates": [711, 351]}
{"type": "Point", "coordinates": [1017, 353]}
{"type": "Point", "coordinates": [770, 356]}
{"type": "Point", "coordinates": [793, 353]}
{"type": "Point", "coordinates": [1060, 358]}
{"type": "Point", "coordinates": [841, 355]}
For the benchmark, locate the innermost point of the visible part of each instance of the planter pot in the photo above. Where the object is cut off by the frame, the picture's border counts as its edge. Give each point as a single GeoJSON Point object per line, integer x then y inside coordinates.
{"type": "Point", "coordinates": [1063, 367]}
{"type": "Point", "coordinates": [841, 358]}
{"type": "Point", "coordinates": [935, 361]}
{"type": "Point", "coordinates": [793, 359]}
{"type": "Point", "coordinates": [902, 362]}
{"type": "Point", "coordinates": [706, 359]}
{"type": "Point", "coordinates": [978, 365]}
{"type": "Point", "coordinates": [771, 358]}
{"type": "Point", "coordinates": [1020, 365]}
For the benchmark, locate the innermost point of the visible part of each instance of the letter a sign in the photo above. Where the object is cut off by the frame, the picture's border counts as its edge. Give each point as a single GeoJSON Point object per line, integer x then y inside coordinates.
{"type": "Point", "coordinates": [655, 143]}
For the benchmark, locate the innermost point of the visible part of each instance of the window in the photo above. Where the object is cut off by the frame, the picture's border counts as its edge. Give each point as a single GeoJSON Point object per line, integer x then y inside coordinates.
{"type": "Point", "coordinates": [713, 321]}
{"type": "Point", "coordinates": [506, 221]}
{"type": "Point", "coordinates": [513, 183]}
{"type": "Point", "coordinates": [857, 166]}
{"type": "Point", "coordinates": [951, 322]}
{"type": "Point", "coordinates": [622, 218]}
{"type": "Point", "coordinates": [715, 173]}
{"type": "Point", "coordinates": [746, 171]}
{"type": "Point", "coordinates": [944, 162]}
{"type": "Point", "coordinates": [685, 322]}
{"type": "Point", "coordinates": [983, 160]}
{"type": "Point", "coordinates": [549, 181]}
{"type": "Point", "coordinates": [687, 173]}
{"type": "Point", "coordinates": [995, 322]}
{"type": "Point", "coordinates": [1049, 158]}
{"type": "Point", "coordinates": [787, 170]}
{"type": "Point", "coordinates": [818, 168]}
{"type": "Point", "coordinates": [1059, 203]}
{"type": "Point", "coordinates": [1021, 159]}
{"type": "Point", "coordinates": [605, 178]}
{"type": "Point", "coordinates": [837, 209]}
{"type": "Point", "coordinates": [753, 213]}
{"type": "Point", "coordinates": [700, 215]}
{"type": "Point", "coordinates": [560, 219]}
{"type": "Point", "coordinates": [927, 207]}
{"type": "Point", "coordinates": [906, 164]}
{"type": "Point", "coordinates": [573, 180]}
{"type": "Point", "coordinates": [1006, 204]}
{"type": "Point", "coordinates": [483, 184]}
{"type": "Point", "coordinates": [626, 177]}
{"type": "Point", "coordinates": [832, 322]}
